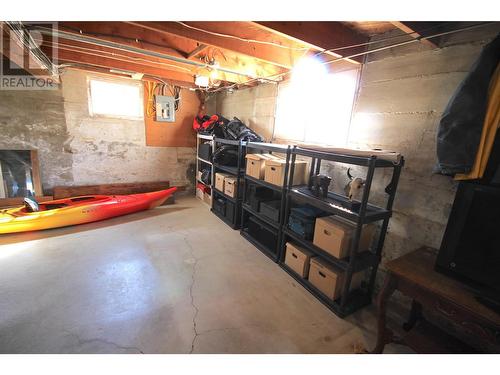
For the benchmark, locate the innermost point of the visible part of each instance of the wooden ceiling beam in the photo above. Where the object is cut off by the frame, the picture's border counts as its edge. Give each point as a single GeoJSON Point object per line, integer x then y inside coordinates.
{"type": "Point", "coordinates": [283, 57]}
{"type": "Point", "coordinates": [196, 51]}
{"type": "Point", "coordinates": [319, 36]}
{"type": "Point", "coordinates": [226, 59]}
{"type": "Point", "coordinates": [415, 30]}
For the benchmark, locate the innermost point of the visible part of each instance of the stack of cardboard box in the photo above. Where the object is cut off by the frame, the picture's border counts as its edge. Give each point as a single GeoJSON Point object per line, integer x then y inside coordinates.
{"type": "Point", "coordinates": [333, 235]}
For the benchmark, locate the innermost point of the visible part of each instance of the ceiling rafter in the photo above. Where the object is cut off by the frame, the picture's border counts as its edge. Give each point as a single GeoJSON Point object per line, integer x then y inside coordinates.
{"type": "Point", "coordinates": [318, 36]}
{"type": "Point", "coordinates": [231, 67]}
{"type": "Point", "coordinates": [270, 54]}
{"type": "Point", "coordinates": [412, 28]}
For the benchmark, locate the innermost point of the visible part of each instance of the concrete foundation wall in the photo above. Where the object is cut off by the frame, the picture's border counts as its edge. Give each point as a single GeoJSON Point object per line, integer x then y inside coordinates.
{"type": "Point", "coordinates": [254, 106]}
{"type": "Point", "coordinates": [112, 150]}
{"type": "Point", "coordinates": [34, 120]}
{"type": "Point", "coordinates": [78, 149]}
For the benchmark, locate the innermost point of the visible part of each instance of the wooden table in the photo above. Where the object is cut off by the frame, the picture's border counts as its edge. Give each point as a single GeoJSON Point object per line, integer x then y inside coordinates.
{"type": "Point", "coordinates": [443, 297]}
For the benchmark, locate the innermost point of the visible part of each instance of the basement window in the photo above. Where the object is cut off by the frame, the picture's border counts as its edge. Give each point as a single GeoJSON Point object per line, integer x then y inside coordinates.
{"type": "Point", "coordinates": [115, 99]}
{"type": "Point", "coordinates": [316, 108]}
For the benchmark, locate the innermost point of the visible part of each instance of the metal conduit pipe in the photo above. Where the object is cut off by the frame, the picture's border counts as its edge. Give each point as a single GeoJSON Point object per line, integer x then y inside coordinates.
{"type": "Point", "coordinates": [109, 44]}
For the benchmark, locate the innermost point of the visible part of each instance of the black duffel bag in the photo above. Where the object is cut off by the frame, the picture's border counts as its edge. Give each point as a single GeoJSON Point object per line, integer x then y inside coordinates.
{"type": "Point", "coordinates": [237, 130]}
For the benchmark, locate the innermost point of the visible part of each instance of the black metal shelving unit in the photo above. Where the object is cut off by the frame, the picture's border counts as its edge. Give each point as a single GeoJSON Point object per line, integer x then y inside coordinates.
{"type": "Point", "coordinates": [237, 172]}
{"type": "Point", "coordinates": [247, 211]}
{"type": "Point", "coordinates": [350, 300]}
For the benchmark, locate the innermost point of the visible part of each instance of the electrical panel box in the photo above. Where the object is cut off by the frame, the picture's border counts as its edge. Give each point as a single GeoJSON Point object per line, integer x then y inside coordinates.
{"type": "Point", "coordinates": [165, 108]}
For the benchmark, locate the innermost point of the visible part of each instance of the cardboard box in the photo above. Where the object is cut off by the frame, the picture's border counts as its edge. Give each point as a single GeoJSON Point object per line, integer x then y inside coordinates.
{"type": "Point", "coordinates": [329, 280]}
{"type": "Point", "coordinates": [219, 181]}
{"type": "Point", "coordinates": [298, 259]}
{"type": "Point", "coordinates": [256, 164]}
{"type": "Point", "coordinates": [230, 186]}
{"type": "Point", "coordinates": [334, 235]}
{"type": "Point", "coordinates": [275, 171]}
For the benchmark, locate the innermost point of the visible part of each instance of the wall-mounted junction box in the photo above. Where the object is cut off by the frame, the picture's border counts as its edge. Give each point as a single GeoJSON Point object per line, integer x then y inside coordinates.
{"type": "Point", "coordinates": [165, 108]}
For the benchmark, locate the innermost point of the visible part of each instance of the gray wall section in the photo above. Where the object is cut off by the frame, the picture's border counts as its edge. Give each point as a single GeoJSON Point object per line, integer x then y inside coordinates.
{"type": "Point", "coordinates": [35, 120]}
{"type": "Point", "coordinates": [254, 106]}
{"type": "Point", "coordinates": [112, 150]}
{"type": "Point", "coordinates": [402, 94]}
{"type": "Point", "coordinates": [78, 149]}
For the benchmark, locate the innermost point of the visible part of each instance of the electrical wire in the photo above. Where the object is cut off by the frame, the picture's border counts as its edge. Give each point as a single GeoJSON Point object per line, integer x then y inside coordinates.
{"type": "Point", "coordinates": [379, 40]}
{"type": "Point", "coordinates": [150, 101]}
{"type": "Point", "coordinates": [19, 29]}
{"type": "Point", "coordinates": [407, 42]}
{"type": "Point", "coordinates": [242, 39]}
{"type": "Point", "coordinates": [280, 75]}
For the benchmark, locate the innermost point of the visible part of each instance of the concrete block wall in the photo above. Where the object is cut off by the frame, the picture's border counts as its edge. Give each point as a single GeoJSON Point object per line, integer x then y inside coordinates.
{"type": "Point", "coordinates": [112, 150]}
{"type": "Point", "coordinates": [78, 149]}
{"type": "Point", "coordinates": [254, 106]}
{"type": "Point", "coordinates": [35, 120]}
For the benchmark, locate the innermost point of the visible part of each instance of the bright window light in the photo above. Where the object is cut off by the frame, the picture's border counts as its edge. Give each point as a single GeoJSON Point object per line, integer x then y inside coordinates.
{"type": "Point", "coordinates": [315, 106]}
{"type": "Point", "coordinates": [115, 99]}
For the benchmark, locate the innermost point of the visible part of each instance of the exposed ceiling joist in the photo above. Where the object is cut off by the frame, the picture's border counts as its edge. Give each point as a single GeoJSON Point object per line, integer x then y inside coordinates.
{"type": "Point", "coordinates": [231, 67]}
{"type": "Point", "coordinates": [282, 57]}
{"type": "Point", "coordinates": [412, 29]}
{"type": "Point", "coordinates": [319, 35]}
{"type": "Point", "coordinates": [196, 51]}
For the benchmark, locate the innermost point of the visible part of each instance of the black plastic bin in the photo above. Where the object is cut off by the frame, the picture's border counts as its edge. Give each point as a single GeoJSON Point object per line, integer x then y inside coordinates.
{"type": "Point", "coordinates": [205, 151]}
{"type": "Point", "coordinates": [302, 220]}
{"type": "Point", "coordinates": [263, 234]}
{"type": "Point", "coordinates": [230, 211]}
{"type": "Point", "coordinates": [257, 194]}
{"type": "Point", "coordinates": [220, 206]}
{"type": "Point", "coordinates": [271, 209]}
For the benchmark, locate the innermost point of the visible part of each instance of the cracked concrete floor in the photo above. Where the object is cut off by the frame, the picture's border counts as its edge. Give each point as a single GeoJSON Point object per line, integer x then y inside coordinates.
{"type": "Point", "coordinates": [172, 280]}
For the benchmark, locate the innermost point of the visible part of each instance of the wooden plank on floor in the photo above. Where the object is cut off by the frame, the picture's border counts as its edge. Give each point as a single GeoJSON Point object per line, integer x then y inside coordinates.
{"type": "Point", "coordinates": [60, 192]}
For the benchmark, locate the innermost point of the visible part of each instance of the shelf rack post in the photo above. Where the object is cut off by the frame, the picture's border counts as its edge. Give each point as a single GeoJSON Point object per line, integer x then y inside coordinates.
{"type": "Point", "coordinates": [396, 172]}
{"type": "Point", "coordinates": [357, 234]}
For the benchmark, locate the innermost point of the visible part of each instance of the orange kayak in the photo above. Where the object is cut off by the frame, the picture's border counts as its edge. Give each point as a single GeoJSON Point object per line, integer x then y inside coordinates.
{"type": "Point", "coordinates": [78, 210]}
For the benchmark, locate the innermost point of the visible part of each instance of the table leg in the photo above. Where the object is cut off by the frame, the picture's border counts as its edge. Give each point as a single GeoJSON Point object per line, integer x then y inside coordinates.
{"type": "Point", "coordinates": [384, 336]}
{"type": "Point", "coordinates": [415, 315]}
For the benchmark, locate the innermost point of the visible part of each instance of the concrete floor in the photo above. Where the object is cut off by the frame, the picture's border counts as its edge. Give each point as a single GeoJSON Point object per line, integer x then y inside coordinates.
{"type": "Point", "coordinates": [172, 280]}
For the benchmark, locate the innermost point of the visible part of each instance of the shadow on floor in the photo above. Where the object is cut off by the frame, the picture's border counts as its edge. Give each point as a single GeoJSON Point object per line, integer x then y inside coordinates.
{"type": "Point", "coordinates": [6, 239]}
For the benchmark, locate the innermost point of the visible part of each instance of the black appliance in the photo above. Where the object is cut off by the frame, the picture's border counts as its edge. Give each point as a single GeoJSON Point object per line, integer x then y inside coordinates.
{"type": "Point", "coordinates": [470, 250]}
